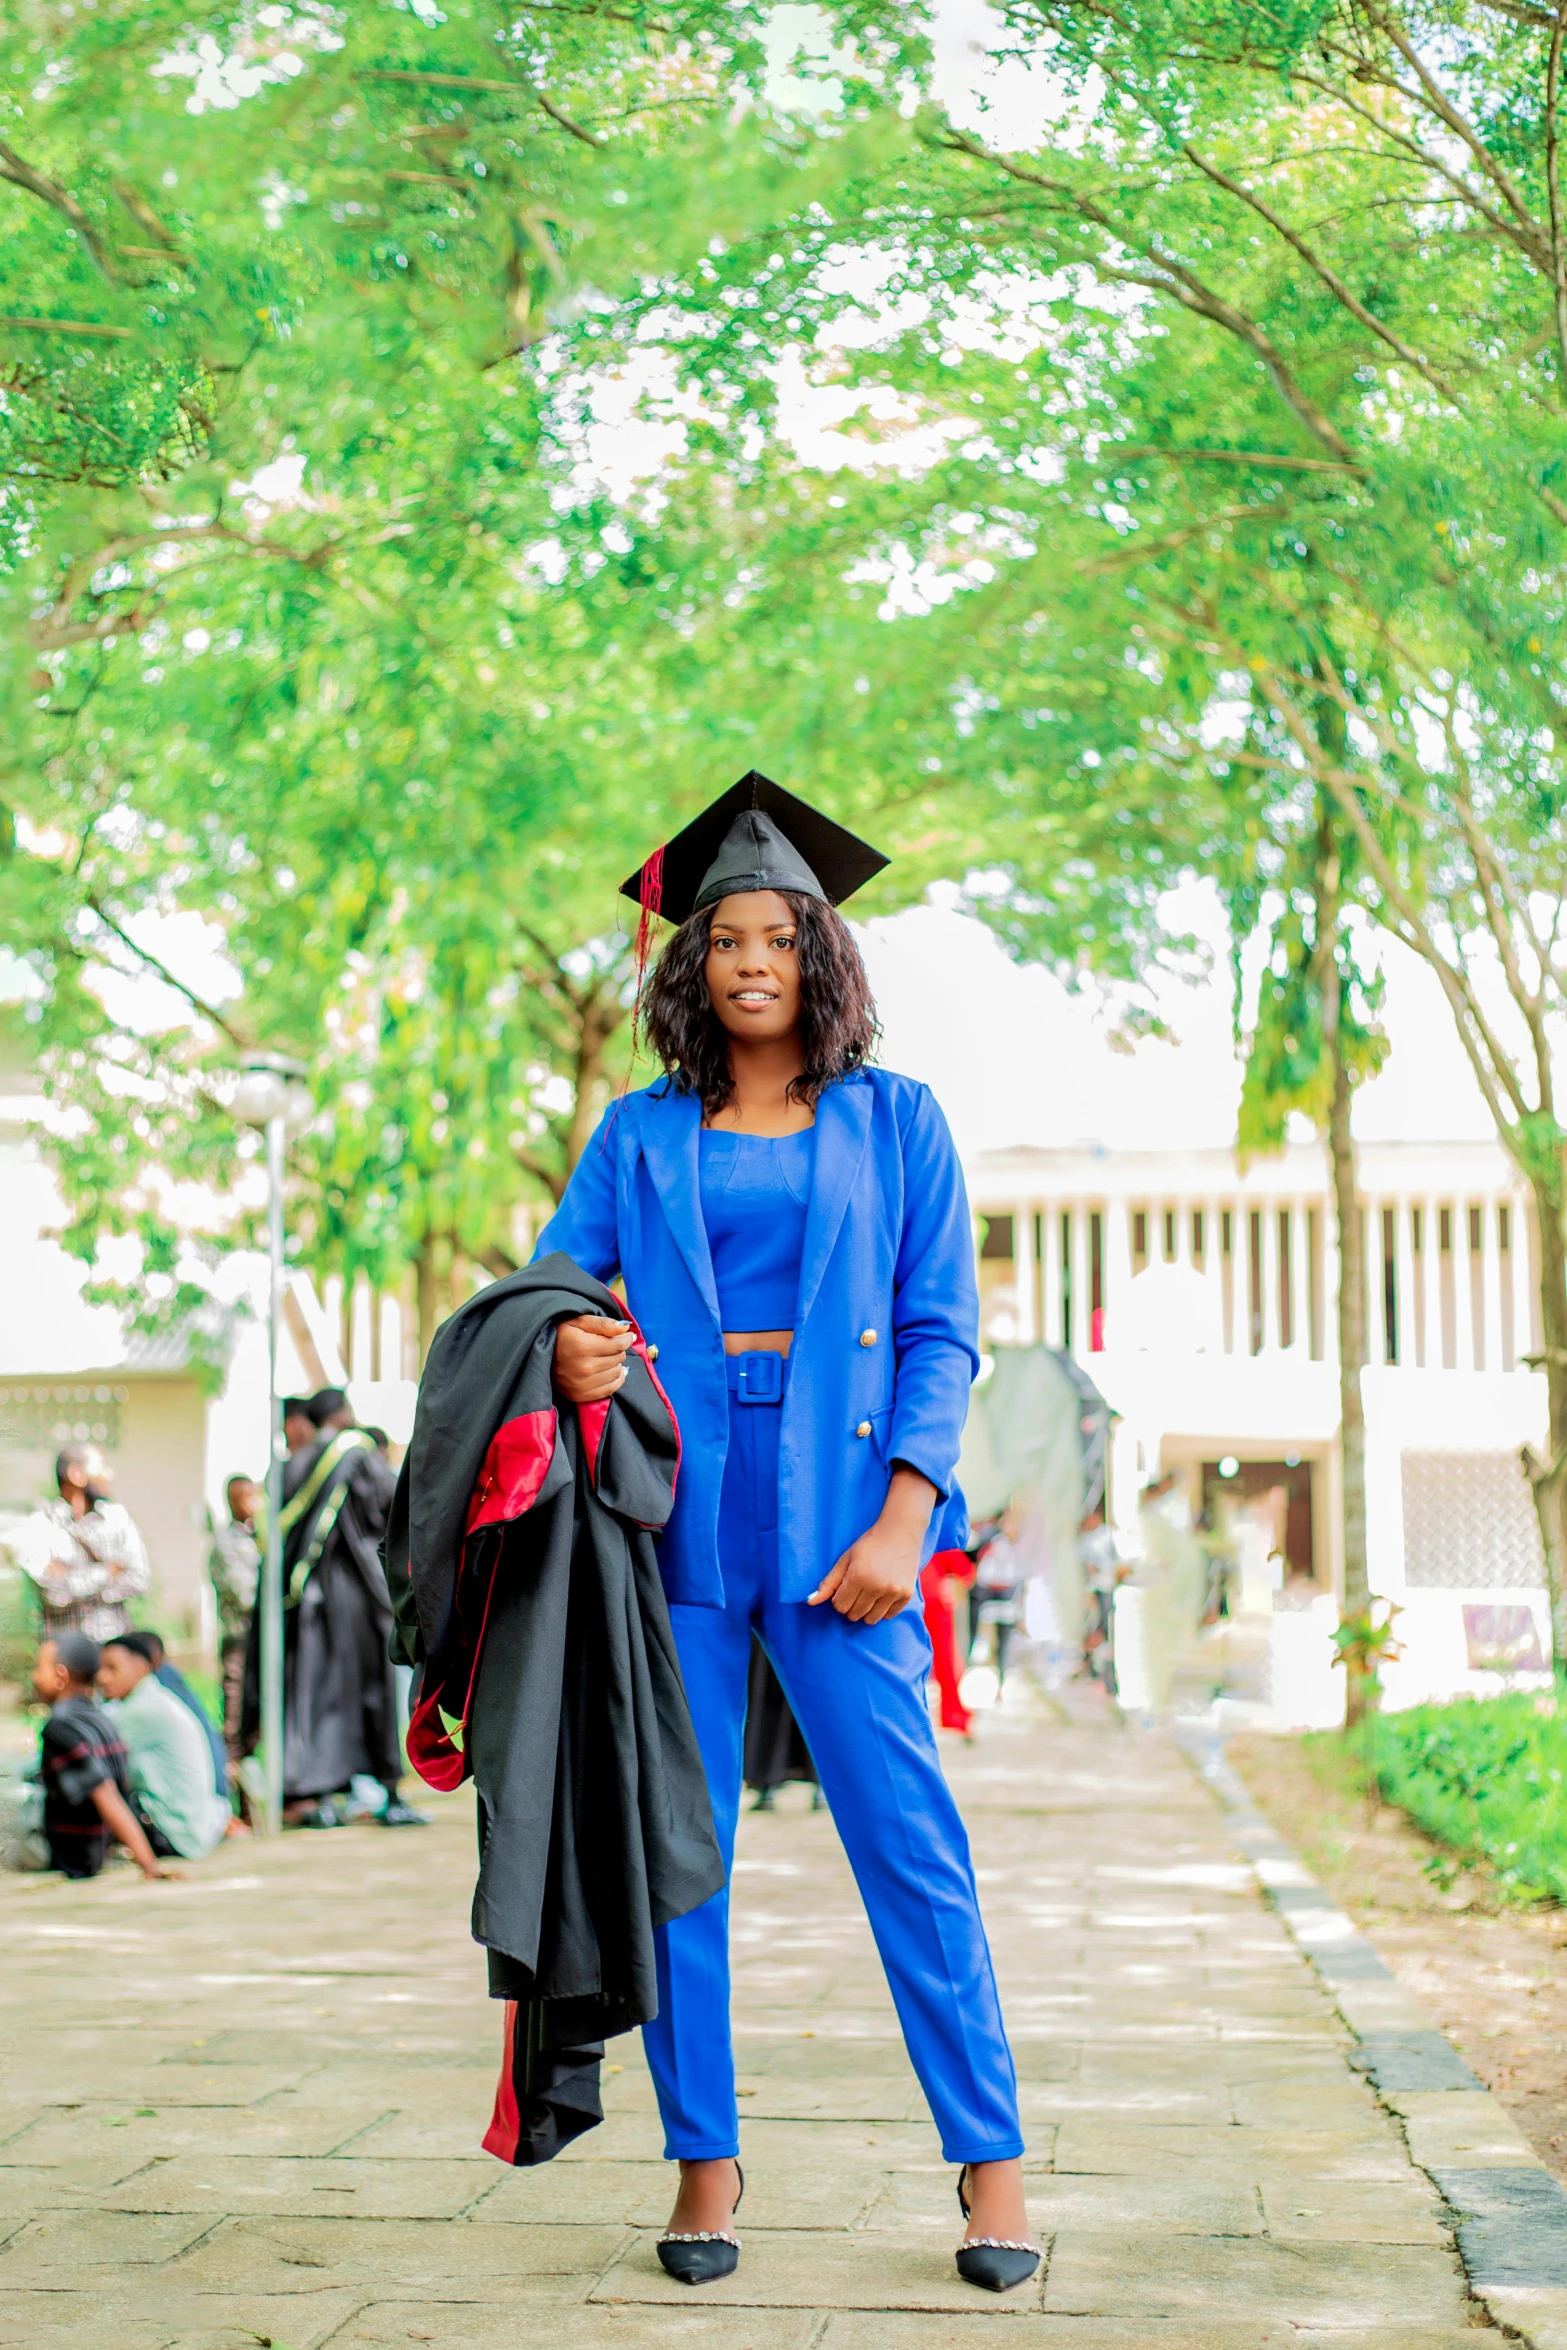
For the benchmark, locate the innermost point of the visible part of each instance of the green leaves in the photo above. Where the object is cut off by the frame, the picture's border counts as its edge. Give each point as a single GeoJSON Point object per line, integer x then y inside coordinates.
{"type": "Point", "coordinates": [1487, 1779]}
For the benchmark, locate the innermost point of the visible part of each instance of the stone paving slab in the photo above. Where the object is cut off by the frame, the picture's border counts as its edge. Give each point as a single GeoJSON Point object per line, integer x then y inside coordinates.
{"type": "Point", "coordinates": [1506, 2214]}
{"type": "Point", "coordinates": [267, 2124]}
{"type": "Point", "coordinates": [1325, 2285]}
{"type": "Point", "coordinates": [1045, 2332]}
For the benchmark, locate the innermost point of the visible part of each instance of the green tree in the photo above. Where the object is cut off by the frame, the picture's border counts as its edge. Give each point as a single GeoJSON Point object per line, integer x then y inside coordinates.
{"type": "Point", "coordinates": [1290, 374]}
{"type": "Point", "coordinates": [297, 637]}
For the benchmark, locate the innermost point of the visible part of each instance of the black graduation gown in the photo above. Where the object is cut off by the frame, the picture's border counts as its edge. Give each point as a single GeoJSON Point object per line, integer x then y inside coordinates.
{"type": "Point", "coordinates": [339, 1690]}
{"type": "Point", "coordinates": [520, 1558]}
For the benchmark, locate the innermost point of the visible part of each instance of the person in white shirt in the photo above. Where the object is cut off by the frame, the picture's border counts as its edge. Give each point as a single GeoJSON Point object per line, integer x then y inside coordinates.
{"type": "Point", "coordinates": [168, 1760]}
{"type": "Point", "coordinates": [84, 1551]}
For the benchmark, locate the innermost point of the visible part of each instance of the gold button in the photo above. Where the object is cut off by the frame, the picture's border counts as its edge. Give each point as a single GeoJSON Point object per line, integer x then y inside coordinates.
{"type": "Point", "coordinates": [652, 1354]}
{"type": "Point", "coordinates": [863, 1429]}
{"type": "Point", "coordinates": [867, 1338]}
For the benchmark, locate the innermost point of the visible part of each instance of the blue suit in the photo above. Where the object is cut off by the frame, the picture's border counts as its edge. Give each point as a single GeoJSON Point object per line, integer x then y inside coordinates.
{"type": "Point", "coordinates": [885, 1333]}
{"type": "Point", "coordinates": [784, 1465]}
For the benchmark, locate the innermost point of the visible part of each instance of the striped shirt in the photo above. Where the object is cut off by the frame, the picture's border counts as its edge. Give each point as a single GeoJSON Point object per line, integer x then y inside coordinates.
{"type": "Point", "coordinates": [79, 1749]}
{"type": "Point", "coordinates": [85, 1568]}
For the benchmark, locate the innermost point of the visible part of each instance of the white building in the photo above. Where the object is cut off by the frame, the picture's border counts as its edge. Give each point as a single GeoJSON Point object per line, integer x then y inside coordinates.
{"type": "Point", "coordinates": [1200, 1300]}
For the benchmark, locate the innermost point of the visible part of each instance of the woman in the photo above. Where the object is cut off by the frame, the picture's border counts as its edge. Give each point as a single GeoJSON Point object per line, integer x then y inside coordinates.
{"type": "Point", "coordinates": [794, 1240]}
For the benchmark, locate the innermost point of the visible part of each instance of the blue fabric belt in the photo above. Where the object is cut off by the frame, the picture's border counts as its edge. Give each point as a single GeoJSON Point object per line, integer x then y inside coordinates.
{"type": "Point", "coordinates": [757, 1377]}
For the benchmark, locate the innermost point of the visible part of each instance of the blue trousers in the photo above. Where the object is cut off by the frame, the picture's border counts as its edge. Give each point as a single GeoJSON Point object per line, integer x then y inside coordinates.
{"type": "Point", "coordinates": [858, 1694]}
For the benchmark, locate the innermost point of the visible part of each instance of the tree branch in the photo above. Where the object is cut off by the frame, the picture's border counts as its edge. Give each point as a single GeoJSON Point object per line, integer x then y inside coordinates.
{"type": "Point", "coordinates": [1269, 459]}
{"type": "Point", "coordinates": [1178, 282]}
{"type": "Point", "coordinates": [1439, 104]}
{"type": "Point", "coordinates": [154, 963]}
{"type": "Point", "coordinates": [65, 326]}
{"type": "Point", "coordinates": [552, 1178]}
{"type": "Point", "coordinates": [1529, 244]}
{"type": "Point", "coordinates": [1520, 12]}
{"type": "Point", "coordinates": [1329, 276]}
{"type": "Point", "coordinates": [147, 220]}
{"type": "Point", "coordinates": [22, 174]}
{"type": "Point", "coordinates": [559, 114]}
{"type": "Point", "coordinates": [468, 81]}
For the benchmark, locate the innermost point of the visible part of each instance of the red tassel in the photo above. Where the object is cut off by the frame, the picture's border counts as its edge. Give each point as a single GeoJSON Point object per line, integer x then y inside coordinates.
{"type": "Point", "coordinates": [651, 892]}
{"type": "Point", "coordinates": [652, 896]}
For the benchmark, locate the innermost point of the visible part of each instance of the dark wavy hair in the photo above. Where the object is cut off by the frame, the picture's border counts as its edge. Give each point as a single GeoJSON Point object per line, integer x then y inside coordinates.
{"type": "Point", "coordinates": [838, 1024]}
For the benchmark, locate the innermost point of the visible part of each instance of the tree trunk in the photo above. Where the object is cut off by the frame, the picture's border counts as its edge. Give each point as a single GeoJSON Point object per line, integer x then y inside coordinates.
{"type": "Point", "coordinates": [1549, 1477]}
{"type": "Point", "coordinates": [1351, 1302]}
{"type": "Point", "coordinates": [1351, 1342]}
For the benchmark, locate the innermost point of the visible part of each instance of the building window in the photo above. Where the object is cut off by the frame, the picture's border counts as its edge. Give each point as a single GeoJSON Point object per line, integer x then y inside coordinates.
{"type": "Point", "coordinates": [1199, 1235]}
{"type": "Point", "coordinates": [1169, 1236]}
{"type": "Point", "coordinates": [40, 1418]}
{"type": "Point", "coordinates": [1469, 1523]}
{"type": "Point", "coordinates": [1504, 1230]}
{"type": "Point", "coordinates": [1389, 1288]}
{"type": "Point", "coordinates": [1140, 1234]}
{"type": "Point", "coordinates": [1254, 1234]}
{"type": "Point", "coordinates": [998, 1237]}
{"type": "Point", "coordinates": [1445, 1219]}
{"type": "Point", "coordinates": [1475, 1241]}
{"type": "Point", "coordinates": [1066, 1279]}
{"type": "Point", "coordinates": [1226, 1233]}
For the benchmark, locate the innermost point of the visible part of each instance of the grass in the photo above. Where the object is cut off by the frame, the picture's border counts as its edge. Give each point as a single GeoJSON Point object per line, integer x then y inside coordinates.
{"type": "Point", "coordinates": [1484, 1777]}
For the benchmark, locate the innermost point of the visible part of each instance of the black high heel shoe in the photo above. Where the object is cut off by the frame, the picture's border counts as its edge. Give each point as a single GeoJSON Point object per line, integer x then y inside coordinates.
{"type": "Point", "coordinates": [996, 2262]}
{"type": "Point", "coordinates": [700, 2259]}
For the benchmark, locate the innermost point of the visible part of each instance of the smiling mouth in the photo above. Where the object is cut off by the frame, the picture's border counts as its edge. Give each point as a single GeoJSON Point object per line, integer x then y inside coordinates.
{"type": "Point", "coordinates": [754, 995]}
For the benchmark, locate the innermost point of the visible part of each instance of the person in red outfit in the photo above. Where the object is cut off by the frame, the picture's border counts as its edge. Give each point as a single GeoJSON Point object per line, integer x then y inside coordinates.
{"type": "Point", "coordinates": [941, 1579]}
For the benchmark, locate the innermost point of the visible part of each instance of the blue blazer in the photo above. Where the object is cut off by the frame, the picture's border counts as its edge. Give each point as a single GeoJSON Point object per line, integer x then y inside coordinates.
{"type": "Point", "coordinates": [886, 1329]}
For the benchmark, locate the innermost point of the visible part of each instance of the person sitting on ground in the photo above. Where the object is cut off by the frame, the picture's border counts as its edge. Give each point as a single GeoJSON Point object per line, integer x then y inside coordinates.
{"type": "Point", "coordinates": [176, 1684]}
{"type": "Point", "coordinates": [83, 1767]}
{"type": "Point", "coordinates": [84, 1551]}
{"type": "Point", "coordinates": [169, 1763]}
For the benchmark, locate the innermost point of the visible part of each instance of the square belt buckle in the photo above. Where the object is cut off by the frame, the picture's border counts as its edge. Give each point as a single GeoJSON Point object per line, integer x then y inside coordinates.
{"type": "Point", "coordinates": [761, 1378]}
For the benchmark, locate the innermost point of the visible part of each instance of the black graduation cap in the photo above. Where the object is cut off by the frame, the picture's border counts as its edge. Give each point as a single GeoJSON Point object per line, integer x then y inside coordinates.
{"type": "Point", "coordinates": [756, 835]}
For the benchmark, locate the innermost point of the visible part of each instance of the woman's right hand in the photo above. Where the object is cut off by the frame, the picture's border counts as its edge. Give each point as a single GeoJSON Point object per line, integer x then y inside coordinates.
{"type": "Point", "coordinates": [590, 1357]}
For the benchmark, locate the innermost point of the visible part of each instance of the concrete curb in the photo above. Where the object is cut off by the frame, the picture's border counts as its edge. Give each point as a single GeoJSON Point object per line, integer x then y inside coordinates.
{"type": "Point", "coordinates": [1508, 2214]}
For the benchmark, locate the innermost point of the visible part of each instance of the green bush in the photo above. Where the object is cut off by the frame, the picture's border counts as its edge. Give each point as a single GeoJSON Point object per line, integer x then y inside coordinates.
{"type": "Point", "coordinates": [1486, 1777]}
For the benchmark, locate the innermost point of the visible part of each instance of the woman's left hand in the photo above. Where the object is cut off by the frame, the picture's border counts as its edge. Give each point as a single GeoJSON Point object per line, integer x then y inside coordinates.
{"type": "Point", "coordinates": [878, 1575]}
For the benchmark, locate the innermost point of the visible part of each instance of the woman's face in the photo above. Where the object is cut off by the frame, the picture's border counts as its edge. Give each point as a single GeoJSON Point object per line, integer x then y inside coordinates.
{"type": "Point", "coordinates": [753, 976]}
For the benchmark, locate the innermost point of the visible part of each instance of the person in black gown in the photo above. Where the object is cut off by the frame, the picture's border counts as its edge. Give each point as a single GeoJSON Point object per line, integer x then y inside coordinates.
{"type": "Point", "coordinates": [339, 1690]}
{"type": "Point", "coordinates": [775, 1750]}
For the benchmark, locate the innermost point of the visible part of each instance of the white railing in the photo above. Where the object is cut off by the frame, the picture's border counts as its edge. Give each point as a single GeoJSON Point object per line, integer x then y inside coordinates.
{"type": "Point", "coordinates": [1450, 1281]}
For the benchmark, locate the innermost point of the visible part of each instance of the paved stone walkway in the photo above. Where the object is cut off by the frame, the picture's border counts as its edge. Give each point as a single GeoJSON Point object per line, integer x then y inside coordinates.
{"type": "Point", "coordinates": [247, 2107]}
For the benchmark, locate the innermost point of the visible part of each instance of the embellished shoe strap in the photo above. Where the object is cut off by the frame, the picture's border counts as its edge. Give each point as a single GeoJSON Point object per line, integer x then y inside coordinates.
{"type": "Point", "coordinates": [700, 2236]}
{"type": "Point", "coordinates": [997, 2244]}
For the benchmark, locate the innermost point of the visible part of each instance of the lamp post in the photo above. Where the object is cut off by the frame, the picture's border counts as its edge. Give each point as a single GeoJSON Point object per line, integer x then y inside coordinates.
{"type": "Point", "coordinates": [270, 1095]}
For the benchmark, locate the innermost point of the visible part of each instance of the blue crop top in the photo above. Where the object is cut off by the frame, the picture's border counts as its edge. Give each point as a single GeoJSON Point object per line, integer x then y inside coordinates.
{"type": "Point", "coordinates": [755, 1190]}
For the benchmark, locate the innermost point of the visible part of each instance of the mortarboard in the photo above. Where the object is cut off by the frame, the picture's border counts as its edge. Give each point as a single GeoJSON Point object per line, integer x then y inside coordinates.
{"type": "Point", "coordinates": [753, 836]}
